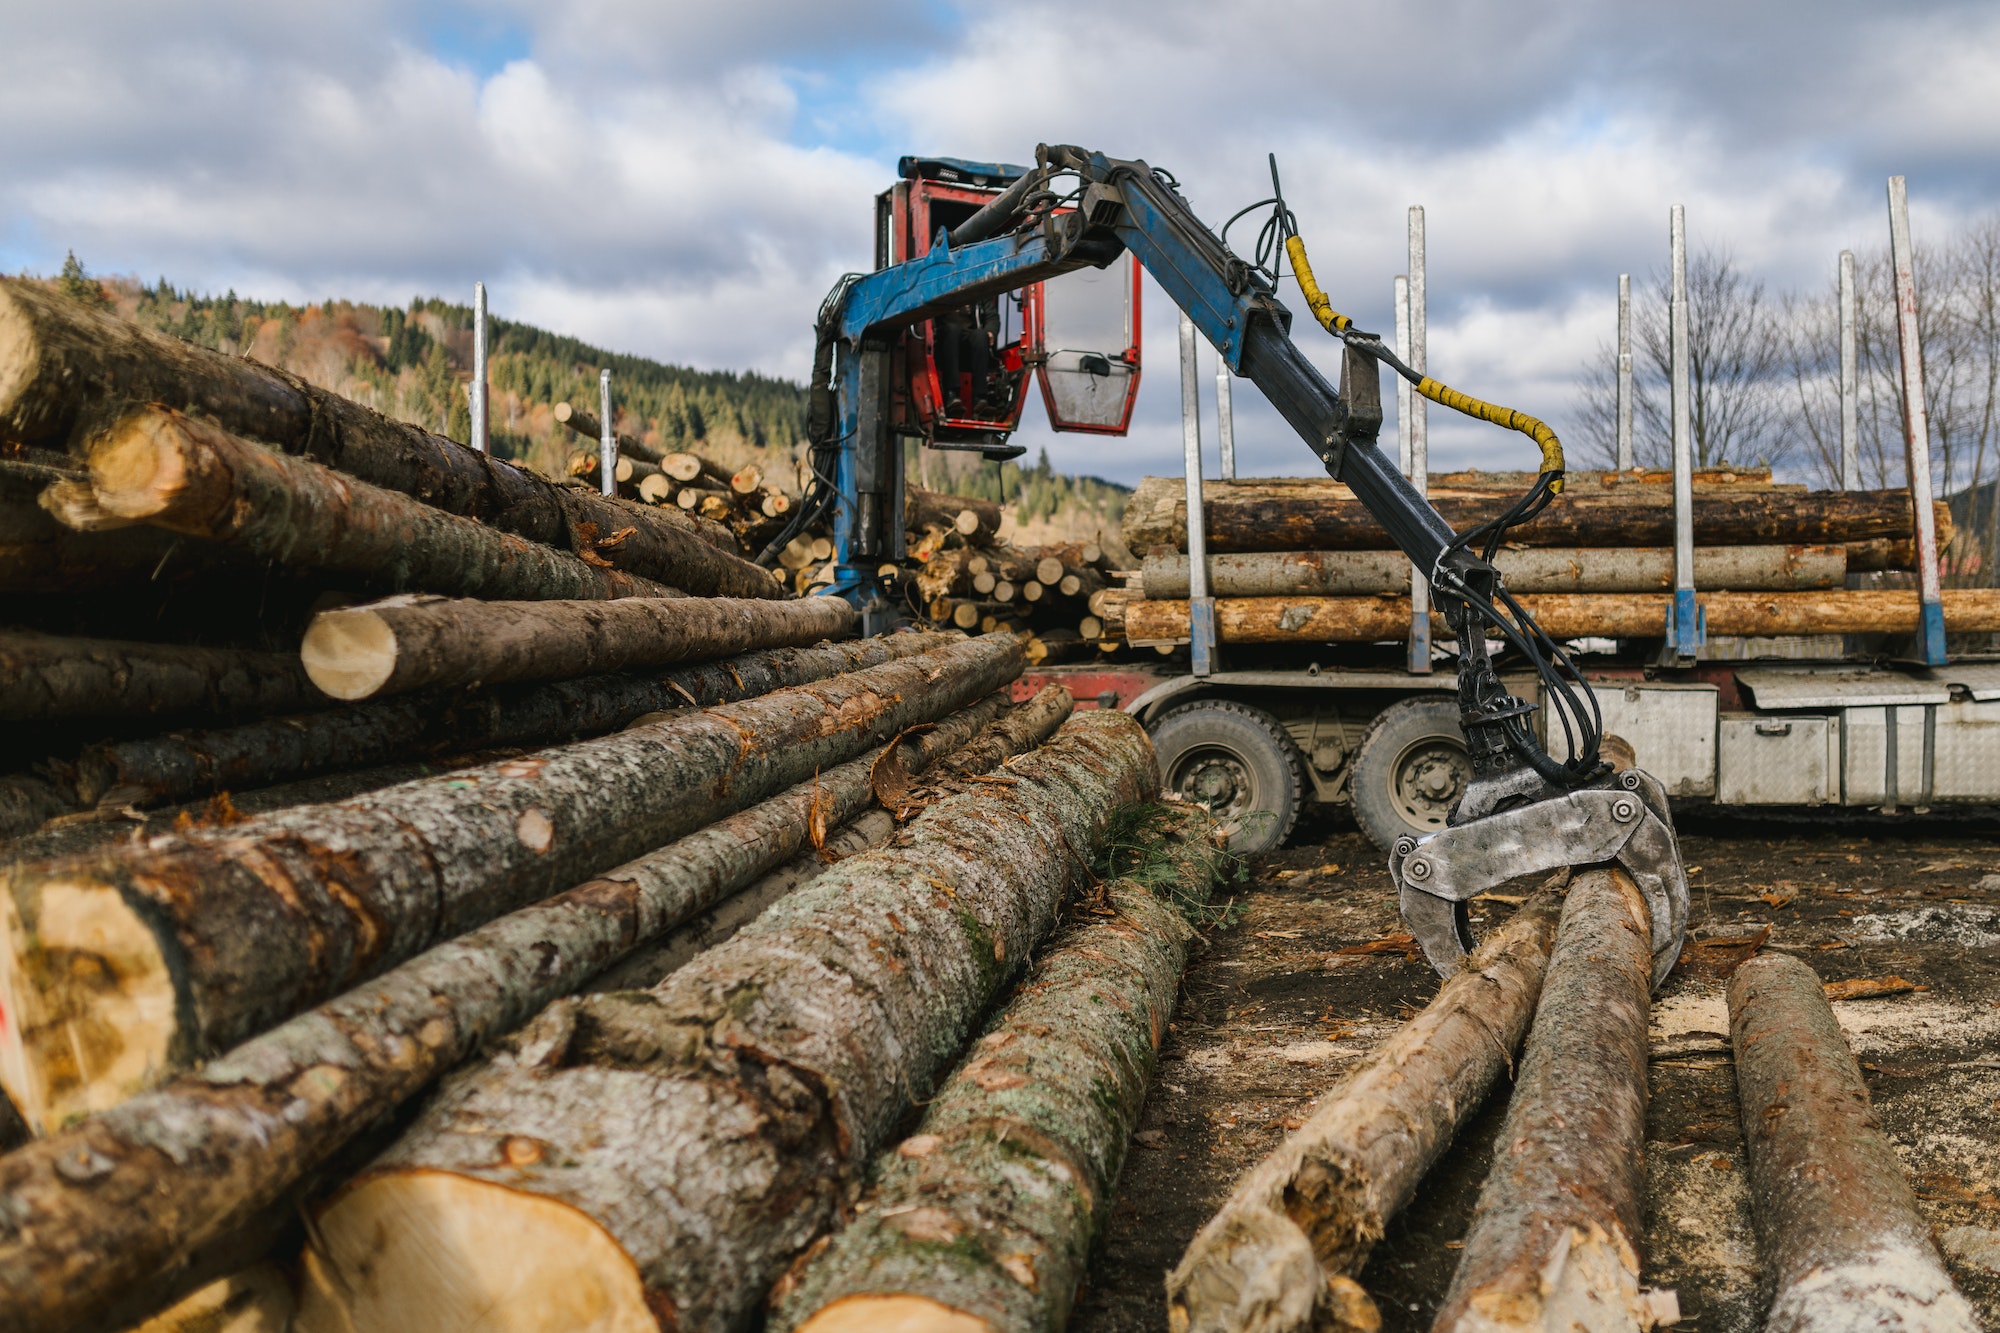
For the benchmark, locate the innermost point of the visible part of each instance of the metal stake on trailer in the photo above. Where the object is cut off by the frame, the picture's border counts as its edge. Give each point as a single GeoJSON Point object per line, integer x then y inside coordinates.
{"type": "Point", "coordinates": [607, 440]}
{"type": "Point", "coordinates": [1850, 382]}
{"type": "Point", "coordinates": [1685, 630]}
{"type": "Point", "coordinates": [1225, 419]}
{"type": "Point", "coordinates": [477, 390]}
{"type": "Point", "coordinates": [1625, 459]}
{"type": "Point", "coordinates": [1419, 470]}
{"type": "Point", "coordinates": [1201, 607]}
{"type": "Point", "coordinates": [1916, 428]}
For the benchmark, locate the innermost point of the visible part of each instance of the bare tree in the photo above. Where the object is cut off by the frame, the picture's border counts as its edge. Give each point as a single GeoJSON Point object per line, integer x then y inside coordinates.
{"type": "Point", "coordinates": [1737, 368]}
{"type": "Point", "coordinates": [1958, 329]}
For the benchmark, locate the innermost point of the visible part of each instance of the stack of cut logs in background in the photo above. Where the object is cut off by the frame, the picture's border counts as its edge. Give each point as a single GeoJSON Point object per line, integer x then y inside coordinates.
{"type": "Point", "coordinates": [345, 757]}
{"type": "Point", "coordinates": [1052, 592]}
{"type": "Point", "coordinates": [1300, 560]}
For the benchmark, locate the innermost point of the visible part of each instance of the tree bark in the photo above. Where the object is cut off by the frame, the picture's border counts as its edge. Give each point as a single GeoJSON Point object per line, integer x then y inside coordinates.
{"type": "Point", "coordinates": [209, 1153]}
{"type": "Point", "coordinates": [1281, 1254]}
{"type": "Point", "coordinates": [1570, 615]}
{"type": "Point", "coordinates": [38, 555]}
{"type": "Point", "coordinates": [1015, 731]}
{"type": "Point", "coordinates": [26, 803]}
{"type": "Point", "coordinates": [1535, 569]}
{"type": "Point", "coordinates": [1554, 1240]}
{"type": "Point", "coordinates": [67, 372]}
{"type": "Point", "coordinates": [664, 1153]}
{"type": "Point", "coordinates": [408, 643]}
{"type": "Point", "coordinates": [183, 475]}
{"type": "Point", "coordinates": [1317, 519]}
{"type": "Point", "coordinates": [651, 965]}
{"type": "Point", "coordinates": [586, 424]}
{"type": "Point", "coordinates": [1842, 1242]}
{"type": "Point", "coordinates": [204, 938]}
{"type": "Point", "coordinates": [983, 1218]}
{"type": "Point", "coordinates": [184, 765]}
{"type": "Point", "coordinates": [52, 676]}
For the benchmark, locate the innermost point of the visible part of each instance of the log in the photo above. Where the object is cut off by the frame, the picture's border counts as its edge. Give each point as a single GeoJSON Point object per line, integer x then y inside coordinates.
{"type": "Point", "coordinates": [656, 489]}
{"type": "Point", "coordinates": [1569, 616]}
{"type": "Point", "coordinates": [977, 521]}
{"type": "Point", "coordinates": [181, 766]}
{"type": "Point", "coordinates": [26, 803]}
{"type": "Point", "coordinates": [635, 470]}
{"type": "Point", "coordinates": [407, 643]}
{"type": "Point", "coordinates": [983, 1219]}
{"type": "Point", "coordinates": [203, 938]}
{"type": "Point", "coordinates": [585, 423]}
{"type": "Point", "coordinates": [1282, 1252]}
{"type": "Point", "coordinates": [747, 480]}
{"type": "Point", "coordinates": [66, 372]}
{"type": "Point", "coordinates": [159, 467]}
{"type": "Point", "coordinates": [1842, 1242]}
{"type": "Point", "coordinates": [54, 676]}
{"type": "Point", "coordinates": [1554, 1239]}
{"type": "Point", "coordinates": [1534, 569]}
{"type": "Point", "coordinates": [1015, 731]}
{"type": "Point", "coordinates": [662, 1154]}
{"type": "Point", "coordinates": [39, 555]}
{"type": "Point", "coordinates": [1317, 518]}
{"type": "Point", "coordinates": [381, 1043]}
{"type": "Point", "coordinates": [649, 966]}
{"type": "Point", "coordinates": [693, 467]}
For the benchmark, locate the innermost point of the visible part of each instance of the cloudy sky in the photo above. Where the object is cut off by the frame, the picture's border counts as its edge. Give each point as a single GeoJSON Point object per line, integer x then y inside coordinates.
{"type": "Point", "coordinates": [686, 180]}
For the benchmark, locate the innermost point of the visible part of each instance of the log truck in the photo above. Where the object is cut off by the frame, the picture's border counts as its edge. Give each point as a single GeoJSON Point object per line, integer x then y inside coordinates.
{"type": "Point", "coordinates": [941, 339]}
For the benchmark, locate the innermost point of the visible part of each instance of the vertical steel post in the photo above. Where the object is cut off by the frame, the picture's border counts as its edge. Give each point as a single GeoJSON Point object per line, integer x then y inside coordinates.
{"type": "Point", "coordinates": [1850, 380]}
{"type": "Point", "coordinates": [1625, 460]}
{"type": "Point", "coordinates": [607, 440]}
{"type": "Point", "coordinates": [1684, 620]}
{"type": "Point", "coordinates": [1201, 607]}
{"type": "Point", "coordinates": [1419, 471]}
{"type": "Point", "coordinates": [1916, 426]}
{"type": "Point", "coordinates": [1400, 295]}
{"type": "Point", "coordinates": [478, 395]}
{"type": "Point", "coordinates": [1225, 419]}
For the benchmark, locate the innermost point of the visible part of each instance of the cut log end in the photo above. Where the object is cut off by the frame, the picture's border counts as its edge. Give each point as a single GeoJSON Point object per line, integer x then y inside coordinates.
{"type": "Point", "coordinates": [893, 1314]}
{"type": "Point", "coordinates": [468, 1253]}
{"type": "Point", "coordinates": [349, 654]}
{"type": "Point", "coordinates": [138, 466]}
{"type": "Point", "coordinates": [87, 1005]}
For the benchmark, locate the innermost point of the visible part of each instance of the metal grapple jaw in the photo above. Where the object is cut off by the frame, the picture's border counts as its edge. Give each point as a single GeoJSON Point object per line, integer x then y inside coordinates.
{"type": "Point", "coordinates": [1623, 819]}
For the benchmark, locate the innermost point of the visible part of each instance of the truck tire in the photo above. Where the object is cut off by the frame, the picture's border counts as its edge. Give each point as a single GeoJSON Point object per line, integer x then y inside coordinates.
{"type": "Point", "coordinates": [1237, 761]}
{"type": "Point", "coordinates": [1409, 770]}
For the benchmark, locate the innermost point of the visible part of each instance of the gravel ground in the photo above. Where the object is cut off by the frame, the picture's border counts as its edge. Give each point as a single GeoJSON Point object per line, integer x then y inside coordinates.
{"type": "Point", "coordinates": [1271, 1016]}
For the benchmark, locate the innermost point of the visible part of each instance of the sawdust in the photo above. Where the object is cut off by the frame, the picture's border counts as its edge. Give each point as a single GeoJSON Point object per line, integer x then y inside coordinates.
{"type": "Point", "coordinates": [1700, 1238]}
{"type": "Point", "coordinates": [1964, 924]}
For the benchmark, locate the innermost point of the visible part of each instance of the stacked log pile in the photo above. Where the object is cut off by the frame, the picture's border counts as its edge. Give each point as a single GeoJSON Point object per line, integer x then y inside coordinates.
{"type": "Point", "coordinates": [1300, 560]}
{"type": "Point", "coordinates": [1056, 593]}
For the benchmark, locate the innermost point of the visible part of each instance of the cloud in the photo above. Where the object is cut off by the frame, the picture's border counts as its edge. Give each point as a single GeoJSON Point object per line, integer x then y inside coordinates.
{"type": "Point", "coordinates": [687, 181]}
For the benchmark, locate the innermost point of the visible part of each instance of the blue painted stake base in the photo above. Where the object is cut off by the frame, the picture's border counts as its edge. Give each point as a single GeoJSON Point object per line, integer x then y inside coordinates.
{"type": "Point", "coordinates": [1930, 633]}
{"type": "Point", "coordinates": [1420, 643]}
{"type": "Point", "coordinates": [1687, 628]}
{"type": "Point", "coordinates": [1201, 636]}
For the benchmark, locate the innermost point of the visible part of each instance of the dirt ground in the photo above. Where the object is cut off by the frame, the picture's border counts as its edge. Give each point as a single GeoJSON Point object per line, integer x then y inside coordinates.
{"type": "Point", "coordinates": [1271, 1017]}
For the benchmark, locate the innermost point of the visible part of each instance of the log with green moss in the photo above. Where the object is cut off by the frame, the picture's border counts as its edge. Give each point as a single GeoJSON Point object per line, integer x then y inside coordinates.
{"type": "Point", "coordinates": [658, 1156]}
{"type": "Point", "coordinates": [982, 1220]}
{"type": "Point", "coordinates": [126, 965]}
{"type": "Point", "coordinates": [179, 1174]}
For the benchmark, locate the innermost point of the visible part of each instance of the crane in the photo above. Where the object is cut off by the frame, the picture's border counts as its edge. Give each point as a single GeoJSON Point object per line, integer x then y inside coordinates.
{"type": "Point", "coordinates": [875, 380]}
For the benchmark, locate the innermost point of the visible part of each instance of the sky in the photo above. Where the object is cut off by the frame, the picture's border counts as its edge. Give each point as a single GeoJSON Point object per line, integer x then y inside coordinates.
{"type": "Point", "coordinates": [686, 181]}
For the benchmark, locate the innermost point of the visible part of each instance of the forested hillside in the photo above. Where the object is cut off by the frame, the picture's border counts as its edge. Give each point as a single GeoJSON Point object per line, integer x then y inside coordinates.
{"type": "Point", "coordinates": [415, 362]}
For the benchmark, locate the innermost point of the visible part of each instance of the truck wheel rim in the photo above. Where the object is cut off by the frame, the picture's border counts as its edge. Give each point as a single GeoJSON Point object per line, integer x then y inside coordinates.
{"type": "Point", "coordinates": [1218, 779]}
{"type": "Point", "coordinates": [1427, 781]}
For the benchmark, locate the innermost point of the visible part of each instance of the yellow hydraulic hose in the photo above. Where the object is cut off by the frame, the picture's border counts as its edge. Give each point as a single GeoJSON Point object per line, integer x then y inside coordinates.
{"type": "Point", "coordinates": [1338, 325]}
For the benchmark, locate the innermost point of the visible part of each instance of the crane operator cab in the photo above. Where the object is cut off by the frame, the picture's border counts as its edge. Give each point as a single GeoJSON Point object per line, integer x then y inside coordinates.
{"type": "Point", "coordinates": [960, 380]}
